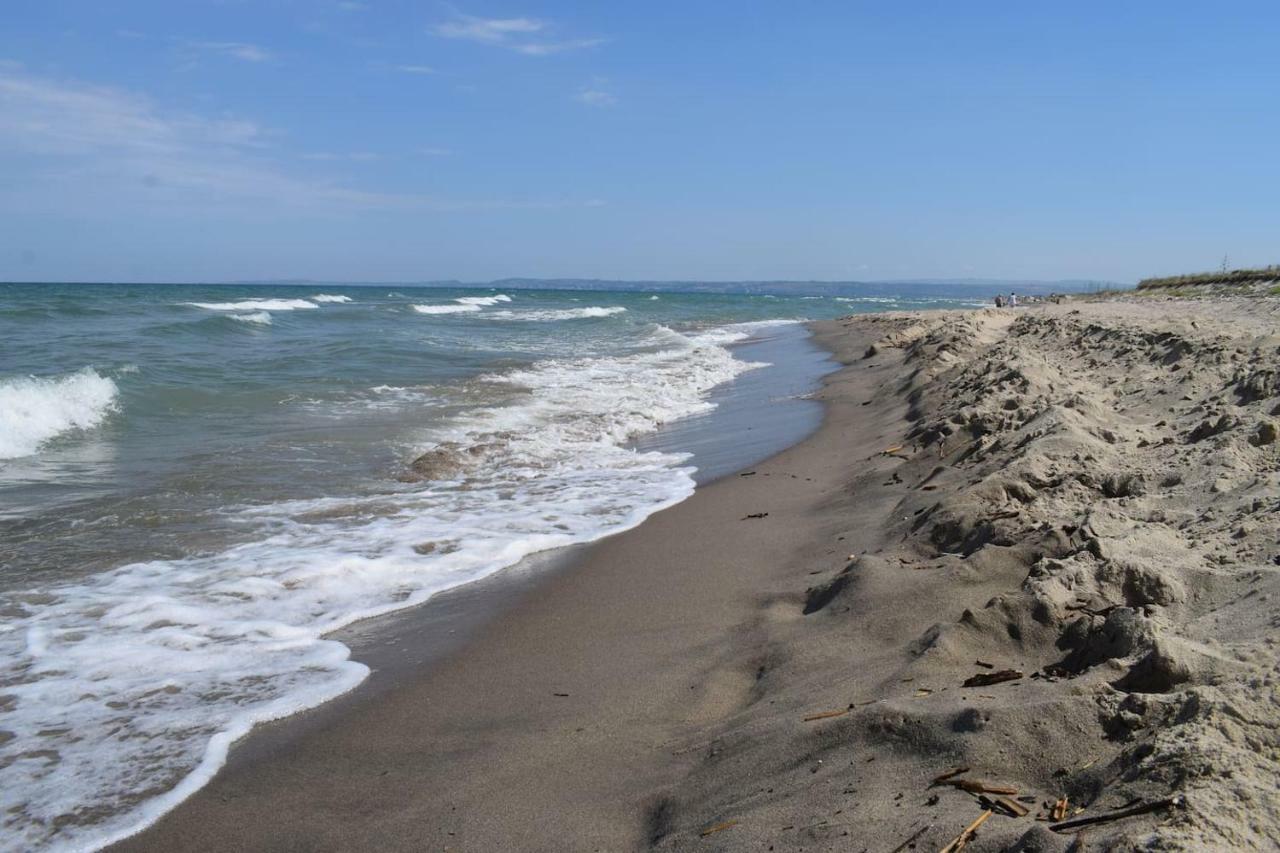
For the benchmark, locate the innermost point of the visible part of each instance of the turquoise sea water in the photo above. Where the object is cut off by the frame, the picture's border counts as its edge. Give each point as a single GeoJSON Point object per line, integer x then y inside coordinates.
{"type": "Point", "coordinates": [197, 483]}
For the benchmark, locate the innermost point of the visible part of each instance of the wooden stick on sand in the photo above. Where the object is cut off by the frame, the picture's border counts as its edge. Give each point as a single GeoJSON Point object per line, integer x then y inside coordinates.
{"type": "Point", "coordinates": [965, 837]}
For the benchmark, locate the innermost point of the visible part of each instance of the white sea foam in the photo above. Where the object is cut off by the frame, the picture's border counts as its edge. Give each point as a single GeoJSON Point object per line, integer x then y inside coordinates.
{"type": "Point", "coordinates": [261, 318]}
{"type": "Point", "coordinates": [327, 297]}
{"type": "Point", "coordinates": [145, 674]}
{"type": "Point", "coordinates": [256, 305]}
{"type": "Point", "coordinates": [483, 300]}
{"type": "Point", "coordinates": [446, 309]}
{"type": "Point", "coordinates": [386, 398]}
{"type": "Point", "coordinates": [551, 314]}
{"type": "Point", "coordinates": [35, 409]}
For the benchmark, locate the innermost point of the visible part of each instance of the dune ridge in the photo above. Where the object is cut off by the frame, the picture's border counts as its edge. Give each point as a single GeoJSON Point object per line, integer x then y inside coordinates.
{"type": "Point", "coordinates": [1090, 505]}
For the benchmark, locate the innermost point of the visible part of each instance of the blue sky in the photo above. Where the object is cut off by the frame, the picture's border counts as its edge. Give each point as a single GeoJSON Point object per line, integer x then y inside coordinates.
{"type": "Point", "coordinates": [388, 140]}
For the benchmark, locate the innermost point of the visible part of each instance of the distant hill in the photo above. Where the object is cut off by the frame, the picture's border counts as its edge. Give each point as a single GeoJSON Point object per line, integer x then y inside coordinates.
{"type": "Point", "coordinates": [1263, 276]}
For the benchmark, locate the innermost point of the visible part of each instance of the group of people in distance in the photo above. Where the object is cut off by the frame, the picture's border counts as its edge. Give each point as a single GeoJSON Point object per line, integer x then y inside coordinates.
{"type": "Point", "coordinates": [1010, 301]}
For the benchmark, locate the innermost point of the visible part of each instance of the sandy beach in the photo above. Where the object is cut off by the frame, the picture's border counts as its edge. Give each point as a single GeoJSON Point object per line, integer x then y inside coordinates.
{"type": "Point", "coordinates": [1035, 549]}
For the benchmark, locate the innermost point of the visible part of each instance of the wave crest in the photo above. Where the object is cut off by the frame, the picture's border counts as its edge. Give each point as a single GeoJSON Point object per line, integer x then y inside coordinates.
{"type": "Point", "coordinates": [255, 305]}
{"type": "Point", "coordinates": [34, 409]}
{"type": "Point", "coordinates": [483, 300]}
{"type": "Point", "coordinates": [553, 314]}
{"type": "Point", "coordinates": [446, 309]}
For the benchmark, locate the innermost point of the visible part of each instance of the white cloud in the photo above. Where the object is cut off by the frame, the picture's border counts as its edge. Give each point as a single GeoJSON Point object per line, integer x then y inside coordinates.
{"type": "Point", "coordinates": [70, 118]}
{"type": "Point", "coordinates": [548, 48]}
{"type": "Point", "coordinates": [242, 51]}
{"type": "Point", "coordinates": [417, 69]}
{"type": "Point", "coordinates": [594, 96]}
{"type": "Point", "coordinates": [529, 36]}
{"type": "Point", "coordinates": [434, 152]}
{"type": "Point", "coordinates": [79, 136]}
{"type": "Point", "coordinates": [488, 30]}
{"type": "Point", "coordinates": [73, 144]}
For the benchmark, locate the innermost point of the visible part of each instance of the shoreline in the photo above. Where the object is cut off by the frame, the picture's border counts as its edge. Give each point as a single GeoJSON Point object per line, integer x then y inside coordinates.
{"type": "Point", "coordinates": [777, 398]}
{"type": "Point", "coordinates": [545, 598]}
{"type": "Point", "coordinates": [777, 661]}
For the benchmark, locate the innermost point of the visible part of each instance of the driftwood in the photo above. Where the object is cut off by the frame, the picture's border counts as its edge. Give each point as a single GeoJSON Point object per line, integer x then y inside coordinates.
{"type": "Point", "coordinates": [965, 837]}
{"type": "Point", "coordinates": [1004, 804]}
{"type": "Point", "coordinates": [825, 715]}
{"type": "Point", "coordinates": [977, 786]}
{"type": "Point", "coordinates": [1059, 809]}
{"type": "Point", "coordinates": [986, 679]}
{"type": "Point", "coordinates": [1145, 808]}
{"type": "Point", "coordinates": [719, 827]}
{"type": "Point", "coordinates": [950, 774]}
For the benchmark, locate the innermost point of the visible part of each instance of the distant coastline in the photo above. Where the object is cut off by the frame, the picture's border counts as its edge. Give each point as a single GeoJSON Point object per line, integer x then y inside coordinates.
{"type": "Point", "coordinates": [930, 287]}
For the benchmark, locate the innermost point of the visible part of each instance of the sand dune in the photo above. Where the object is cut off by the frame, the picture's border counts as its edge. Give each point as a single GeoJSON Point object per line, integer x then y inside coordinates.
{"type": "Point", "coordinates": [1090, 497]}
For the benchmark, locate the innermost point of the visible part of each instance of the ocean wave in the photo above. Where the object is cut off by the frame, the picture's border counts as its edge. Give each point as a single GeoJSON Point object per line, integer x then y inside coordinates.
{"type": "Point", "coordinates": [553, 314]}
{"type": "Point", "coordinates": [261, 318]}
{"type": "Point", "coordinates": [34, 410]}
{"type": "Point", "coordinates": [483, 300]}
{"type": "Point", "coordinates": [255, 305]}
{"type": "Point", "coordinates": [446, 309]}
{"type": "Point", "coordinates": [326, 297]}
{"type": "Point", "coordinates": [193, 652]}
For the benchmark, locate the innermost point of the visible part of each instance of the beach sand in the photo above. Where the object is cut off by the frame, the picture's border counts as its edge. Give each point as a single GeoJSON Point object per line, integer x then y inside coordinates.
{"type": "Point", "coordinates": [1086, 494]}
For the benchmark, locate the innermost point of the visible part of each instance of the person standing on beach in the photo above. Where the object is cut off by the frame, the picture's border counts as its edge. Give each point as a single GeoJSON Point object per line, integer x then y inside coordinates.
{"type": "Point", "coordinates": [999, 301]}
{"type": "Point", "coordinates": [1013, 300]}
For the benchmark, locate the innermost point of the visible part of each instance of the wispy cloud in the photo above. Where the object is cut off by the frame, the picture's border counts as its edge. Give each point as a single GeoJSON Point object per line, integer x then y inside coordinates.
{"type": "Point", "coordinates": [73, 133]}
{"type": "Point", "coordinates": [242, 51]}
{"type": "Point", "coordinates": [530, 36]}
{"type": "Point", "coordinates": [547, 48]}
{"type": "Point", "coordinates": [416, 69]}
{"type": "Point", "coordinates": [489, 30]}
{"type": "Point", "coordinates": [596, 95]}
{"type": "Point", "coordinates": [350, 156]}
{"type": "Point", "coordinates": [434, 152]}
{"type": "Point", "coordinates": [74, 143]}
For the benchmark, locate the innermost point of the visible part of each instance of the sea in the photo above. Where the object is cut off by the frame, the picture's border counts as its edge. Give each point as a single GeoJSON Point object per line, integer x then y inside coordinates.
{"type": "Point", "coordinates": [200, 484]}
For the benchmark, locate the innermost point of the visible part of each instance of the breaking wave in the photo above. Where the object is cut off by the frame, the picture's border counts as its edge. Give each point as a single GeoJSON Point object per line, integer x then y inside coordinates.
{"type": "Point", "coordinates": [260, 318]}
{"type": "Point", "coordinates": [446, 309]}
{"type": "Point", "coordinates": [553, 314]}
{"type": "Point", "coordinates": [34, 410]}
{"type": "Point", "coordinates": [256, 305]}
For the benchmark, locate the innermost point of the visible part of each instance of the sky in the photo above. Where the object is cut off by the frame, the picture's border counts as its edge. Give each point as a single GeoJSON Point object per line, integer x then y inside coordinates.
{"type": "Point", "coordinates": [388, 140]}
